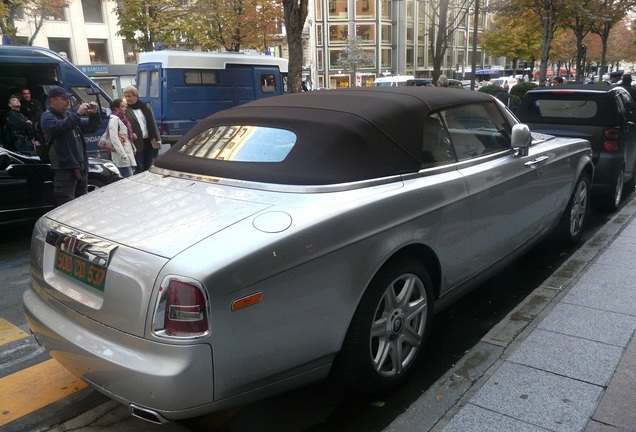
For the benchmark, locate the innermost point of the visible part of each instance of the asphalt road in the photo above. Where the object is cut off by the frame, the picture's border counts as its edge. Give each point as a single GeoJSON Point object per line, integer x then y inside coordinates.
{"type": "Point", "coordinates": [324, 406]}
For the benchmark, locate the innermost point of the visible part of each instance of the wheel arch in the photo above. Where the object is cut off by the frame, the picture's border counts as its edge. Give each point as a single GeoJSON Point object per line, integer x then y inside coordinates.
{"type": "Point", "coordinates": [426, 256]}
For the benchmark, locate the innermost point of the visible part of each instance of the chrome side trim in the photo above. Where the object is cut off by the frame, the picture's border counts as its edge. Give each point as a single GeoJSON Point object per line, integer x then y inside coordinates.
{"type": "Point", "coordinates": [275, 187]}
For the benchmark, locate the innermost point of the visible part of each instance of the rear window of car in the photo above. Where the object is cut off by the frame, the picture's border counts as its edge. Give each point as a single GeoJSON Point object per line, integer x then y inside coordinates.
{"type": "Point", "coordinates": [579, 109]}
{"type": "Point", "coordinates": [582, 108]}
{"type": "Point", "coordinates": [241, 144]}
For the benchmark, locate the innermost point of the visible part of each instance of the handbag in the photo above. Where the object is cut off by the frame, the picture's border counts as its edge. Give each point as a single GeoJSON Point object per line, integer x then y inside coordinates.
{"type": "Point", "coordinates": [104, 142]}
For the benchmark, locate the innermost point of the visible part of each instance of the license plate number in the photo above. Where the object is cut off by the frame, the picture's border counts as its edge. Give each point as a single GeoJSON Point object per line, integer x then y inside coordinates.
{"type": "Point", "coordinates": [80, 269]}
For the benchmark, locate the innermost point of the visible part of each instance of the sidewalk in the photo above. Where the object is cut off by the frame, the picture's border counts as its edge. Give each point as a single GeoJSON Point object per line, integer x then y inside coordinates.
{"type": "Point", "coordinates": [563, 360]}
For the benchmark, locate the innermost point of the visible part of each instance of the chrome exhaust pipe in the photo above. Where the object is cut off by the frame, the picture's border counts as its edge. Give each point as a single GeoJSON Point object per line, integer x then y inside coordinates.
{"type": "Point", "coordinates": [146, 414]}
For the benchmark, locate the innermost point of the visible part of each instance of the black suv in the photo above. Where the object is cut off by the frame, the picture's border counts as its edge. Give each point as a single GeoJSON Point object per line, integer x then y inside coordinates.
{"type": "Point", "coordinates": [602, 114]}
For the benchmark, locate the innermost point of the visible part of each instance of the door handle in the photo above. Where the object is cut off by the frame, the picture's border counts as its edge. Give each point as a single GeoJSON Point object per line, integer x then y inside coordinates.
{"type": "Point", "coordinates": [537, 160]}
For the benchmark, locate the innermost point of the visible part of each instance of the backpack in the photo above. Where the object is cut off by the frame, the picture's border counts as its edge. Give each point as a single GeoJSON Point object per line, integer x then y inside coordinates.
{"type": "Point", "coordinates": [42, 142]}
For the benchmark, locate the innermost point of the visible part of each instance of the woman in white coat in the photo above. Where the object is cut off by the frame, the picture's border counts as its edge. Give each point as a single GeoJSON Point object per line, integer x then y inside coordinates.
{"type": "Point", "coordinates": [121, 139]}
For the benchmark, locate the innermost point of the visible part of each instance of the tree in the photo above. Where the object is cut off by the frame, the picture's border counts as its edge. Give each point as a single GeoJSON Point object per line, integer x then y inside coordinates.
{"type": "Point", "coordinates": [512, 37]}
{"type": "Point", "coordinates": [144, 23]}
{"type": "Point", "coordinates": [549, 13]}
{"type": "Point", "coordinates": [580, 20]}
{"type": "Point", "coordinates": [353, 55]}
{"type": "Point", "coordinates": [234, 24]}
{"type": "Point", "coordinates": [295, 16]}
{"type": "Point", "coordinates": [32, 10]}
{"type": "Point", "coordinates": [444, 17]}
{"type": "Point", "coordinates": [607, 15]}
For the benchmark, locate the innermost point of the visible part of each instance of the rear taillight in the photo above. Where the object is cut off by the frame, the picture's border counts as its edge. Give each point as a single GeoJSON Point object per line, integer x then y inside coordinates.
{"type": "Point", "coordinates": [182, 309]}
{"type": "Point", "coordinates": [610, 143]}
{"type": "Point", "coordinates": [164, 129]}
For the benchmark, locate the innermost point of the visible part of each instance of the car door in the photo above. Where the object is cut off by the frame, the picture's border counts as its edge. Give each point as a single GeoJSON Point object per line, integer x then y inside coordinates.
{"type": "Point", "coordinates": [26, 190]}
{"type": "Point", "coordinates": [508, 193]}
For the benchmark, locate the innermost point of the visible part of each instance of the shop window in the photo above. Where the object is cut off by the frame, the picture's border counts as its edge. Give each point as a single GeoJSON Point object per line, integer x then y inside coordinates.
{"type": "Point", "coordinates": [92, 11]}
{"type": "Point", "coordinates": [54, 14]}
{"type": "Point", "coordinates": [130, 56]}
{"type": "Point", "coordinates": [338, 34]}
{"type": "Point", "coordinates": [61, 46]}
{"type": "Point", "coordinates": [97, 51]}
{"type": "Point", "coordinates": [366, 33]}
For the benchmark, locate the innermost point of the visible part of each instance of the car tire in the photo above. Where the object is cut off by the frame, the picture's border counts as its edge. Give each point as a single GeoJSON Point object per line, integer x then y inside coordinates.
{"type": "Point", "coordinates": [389, 329]}
{"type": "Point", "coordinates": [572, 221]}
{"type": "Point", "coordinates": [611, 201]}
{"type": "Point", "coordinates": [630, 185]}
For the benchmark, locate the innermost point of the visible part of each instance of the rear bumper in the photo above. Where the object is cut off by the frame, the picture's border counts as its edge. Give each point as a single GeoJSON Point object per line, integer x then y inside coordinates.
{"type": "Point", "coordinates": [173, 380]}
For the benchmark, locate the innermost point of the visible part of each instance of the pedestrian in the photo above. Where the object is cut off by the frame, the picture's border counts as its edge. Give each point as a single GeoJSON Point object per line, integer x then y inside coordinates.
{"type": "Point", "coordinates": [67, 154]}
{"type": "Point", "coordinates": [504, 96]}
{"type": "Point", "coordinates": [31, 108]}
{"type": "Point", "coordinates": [121, 138]}
{"type": "Point", "coordinates": [442, 81]}
{"type": "Point", "coordinates": [626, 83]}
{"type": "Point", "coordinates": [148, 140]}
{"type": "Point", "coordinates": [558, 81]}
{"type": "Point", "coordinates": [614, 77]}
{"type": "Point", "coordinates": [17, 130]}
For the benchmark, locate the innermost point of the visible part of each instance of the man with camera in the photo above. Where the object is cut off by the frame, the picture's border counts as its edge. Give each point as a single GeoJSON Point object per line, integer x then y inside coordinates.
{"type": "Point", "coordinates": [67, 153]}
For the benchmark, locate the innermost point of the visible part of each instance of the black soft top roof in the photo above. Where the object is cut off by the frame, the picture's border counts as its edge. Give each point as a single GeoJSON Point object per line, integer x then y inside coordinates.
{"type": "Point", "coordinates": [342, 135]}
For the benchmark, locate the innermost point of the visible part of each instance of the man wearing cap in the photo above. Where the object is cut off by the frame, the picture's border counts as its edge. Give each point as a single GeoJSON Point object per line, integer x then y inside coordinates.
{"type": "Point", "coordinates": [69, 160]}
{"type": "Point", "coordinates": [614, 77]}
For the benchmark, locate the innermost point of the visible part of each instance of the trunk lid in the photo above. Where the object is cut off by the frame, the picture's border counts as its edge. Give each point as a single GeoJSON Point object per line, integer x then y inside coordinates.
{"type": "Point", "coordinates": [100, 254]}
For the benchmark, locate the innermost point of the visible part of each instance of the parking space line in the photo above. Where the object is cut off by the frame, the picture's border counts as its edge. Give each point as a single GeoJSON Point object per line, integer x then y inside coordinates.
{"type": "Point", "coordinates": [9, 332]}
{"type": "Point", "coordinates": [36, 387]}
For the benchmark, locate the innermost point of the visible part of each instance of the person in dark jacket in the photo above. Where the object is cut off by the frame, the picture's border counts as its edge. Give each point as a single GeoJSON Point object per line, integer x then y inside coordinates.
{"type": "Point", "coordinates": [626, 83]}
{"type": "Point", "coordinates": [69, 160]}
{"type": "Point", "coordinates": [147, 138]}
{"type": "Point", "coordinates": [17, 129]}
{"type": "Point", "coordinates": [31, 108]}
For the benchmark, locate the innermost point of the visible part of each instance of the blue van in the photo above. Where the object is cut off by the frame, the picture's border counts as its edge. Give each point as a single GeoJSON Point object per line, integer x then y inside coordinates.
{"type": "Point", "coordinates": [184, 87]}
{"type": "Point", "coordinates": [38, 69]}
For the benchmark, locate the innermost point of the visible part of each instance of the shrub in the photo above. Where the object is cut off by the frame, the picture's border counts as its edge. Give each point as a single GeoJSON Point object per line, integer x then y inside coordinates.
{"type": "Point", "coordinates": [491, 89]}
{"type": "Point", "coordinates": [522, 88]}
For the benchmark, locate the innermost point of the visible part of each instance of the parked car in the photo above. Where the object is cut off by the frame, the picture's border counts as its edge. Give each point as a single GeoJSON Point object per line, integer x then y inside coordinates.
{"type": "Point", "coordinates": [416, 82]}
{"type": "Point", "coordinates": [295, 236]}
{"type": "Point", "coordinates": [510, 81]}
{"type": "Point", "coordinates": [605, 116]}
{"type": "Point", "coordinates": [26, 185]}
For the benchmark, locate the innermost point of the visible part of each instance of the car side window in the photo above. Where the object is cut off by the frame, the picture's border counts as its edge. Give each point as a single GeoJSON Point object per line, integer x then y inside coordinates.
{"type": "Point", "coordinates": [436, 146]}
{"type": "Point", "coordinates": [476, 130]}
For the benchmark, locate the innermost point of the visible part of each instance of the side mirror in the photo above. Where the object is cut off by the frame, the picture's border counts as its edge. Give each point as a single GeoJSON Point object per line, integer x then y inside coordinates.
{"type": "Point", "coordinates": [521, 139]}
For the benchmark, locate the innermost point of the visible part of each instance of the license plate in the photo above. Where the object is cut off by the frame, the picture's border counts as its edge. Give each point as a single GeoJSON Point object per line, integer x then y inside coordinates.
{"type": "Point", "coordinates": [80, 269]}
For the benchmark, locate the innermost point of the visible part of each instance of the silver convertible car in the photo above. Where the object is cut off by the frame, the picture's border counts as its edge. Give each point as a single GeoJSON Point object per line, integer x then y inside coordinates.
{"type": "Point", "coordinates": [294, 237]}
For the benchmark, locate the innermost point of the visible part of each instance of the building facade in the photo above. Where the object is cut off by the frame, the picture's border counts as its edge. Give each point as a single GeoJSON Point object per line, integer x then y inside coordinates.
{"type": "Point", "coordinates": [398, 35]}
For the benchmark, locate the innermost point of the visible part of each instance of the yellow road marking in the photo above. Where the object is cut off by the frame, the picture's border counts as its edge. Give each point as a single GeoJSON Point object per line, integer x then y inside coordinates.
{"type": "Point", "coordinates": [33, 388]}
{"type": "Point", "coordinates": [9, 332]}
